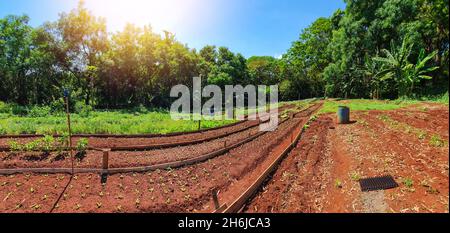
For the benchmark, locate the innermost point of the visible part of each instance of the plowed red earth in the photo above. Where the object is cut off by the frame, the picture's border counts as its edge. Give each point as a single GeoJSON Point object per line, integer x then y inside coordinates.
{"type": "Point", "coordinates": [93, 159]}
{"type": "Point", "coordinates": [109, 142]}
{"type": "Point", "coordinates": [114, 142]}
{"type": "Point", "coordinates": [321, 174]}
{"type": "Point", "coordinates": [119, 159]}
{"type": "Point", "coordinates": [187, 189]}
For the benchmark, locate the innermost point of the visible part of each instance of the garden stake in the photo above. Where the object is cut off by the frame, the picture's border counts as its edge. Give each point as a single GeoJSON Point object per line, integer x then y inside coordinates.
{"type": "Point", "coordinates": [66, 94]}
{"type": "Point", "coordinates": [105, 160]}
{"type": "Point", "coordinates": [215, 198]}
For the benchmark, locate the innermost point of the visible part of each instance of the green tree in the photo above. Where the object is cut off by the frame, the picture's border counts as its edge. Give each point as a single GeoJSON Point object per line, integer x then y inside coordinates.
{"type": "Point", "coordinates": [15, 51]}
{"type": "Point", "coordinates": [306, 60]}
{"type": "Point", "coordinates": [79, 40]}
{"type": "Point", "coordinates": [225, 67]}
{"type": "Point", "coordinates": [263, 70]}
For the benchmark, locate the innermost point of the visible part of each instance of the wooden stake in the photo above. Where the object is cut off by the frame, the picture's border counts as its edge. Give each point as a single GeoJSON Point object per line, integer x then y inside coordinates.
{"type": "Point", "coordinates": [70, 132]}
{"type": "Point", "coordinates": [215, 198]}
{"type": "Point", "coordinates": [105, 159]}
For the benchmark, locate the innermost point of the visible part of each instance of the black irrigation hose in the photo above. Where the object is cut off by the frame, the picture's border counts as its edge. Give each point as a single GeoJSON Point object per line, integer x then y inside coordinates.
{"type": "Point", "coordinates": [61, 194]}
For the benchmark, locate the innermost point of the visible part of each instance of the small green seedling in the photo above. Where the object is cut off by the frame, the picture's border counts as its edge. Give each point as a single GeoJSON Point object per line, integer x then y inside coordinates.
{"type": "Point", "coordinates": [408, 182]}
{"type": "Point", "coordinates": [32, 146]}
{"type": "Point", "coordinates": [338, 183]}
{"type": "Point", "coordinates": [422, 135]}
{"type": "Point", "coordinates": [82, 144]}
{"type": "Point", "coordinates": [47, 143]}
{"type": "Point", "coordinates": [437, 141]}
{"type": "Point", "coordinates": [355, 176]}
{"type": "Point", "coordinates": [15, 146]}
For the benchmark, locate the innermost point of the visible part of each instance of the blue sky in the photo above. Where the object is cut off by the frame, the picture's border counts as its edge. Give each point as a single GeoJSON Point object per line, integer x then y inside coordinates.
{"type": "Point", "coordinates": [251, 27]}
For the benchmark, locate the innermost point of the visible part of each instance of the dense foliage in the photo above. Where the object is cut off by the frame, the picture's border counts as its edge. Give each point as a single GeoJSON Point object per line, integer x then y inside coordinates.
{"type": "Point", "coordinates": [367, 28]}
{"type": "Point", "coordinates": [371, 49]}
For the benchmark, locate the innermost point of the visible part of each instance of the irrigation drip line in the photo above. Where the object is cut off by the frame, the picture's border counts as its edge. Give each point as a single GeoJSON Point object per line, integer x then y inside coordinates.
{"type": "Point", "coordinates": [60, 195]}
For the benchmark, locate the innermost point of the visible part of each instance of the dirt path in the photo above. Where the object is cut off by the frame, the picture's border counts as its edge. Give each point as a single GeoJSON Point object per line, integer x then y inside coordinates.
{"type": "Point", "coordinates": [322, 173]}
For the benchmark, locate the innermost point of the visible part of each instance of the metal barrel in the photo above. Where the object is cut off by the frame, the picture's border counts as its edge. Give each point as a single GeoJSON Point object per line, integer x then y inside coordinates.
{"type": "Point", "coordinates": [343, 115]}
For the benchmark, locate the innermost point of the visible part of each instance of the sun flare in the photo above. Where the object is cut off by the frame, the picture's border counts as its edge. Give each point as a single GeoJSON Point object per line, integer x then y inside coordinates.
{"type": "Point", "coordinates": [160, 14]}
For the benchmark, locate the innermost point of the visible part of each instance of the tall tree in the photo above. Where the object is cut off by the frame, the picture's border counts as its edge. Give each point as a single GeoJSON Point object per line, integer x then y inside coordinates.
{"type": "Point", "coordinates": [15, 51]}
{"type": "Point", "coordinates": [80, 39]}
{"type": "Point", "coordinates": [306, 59]}
{"type": "Point", "coordinates": [263, 70]}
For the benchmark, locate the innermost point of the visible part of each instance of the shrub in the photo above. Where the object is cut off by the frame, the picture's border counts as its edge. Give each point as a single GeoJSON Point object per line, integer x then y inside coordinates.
{"type": "Point", "coordinates": [4, 107]}
{"type": "Point", "coordinates": [15, 146]}
{"type": "Point", "coordinates": [437, 141]}
{"type": "Point", "coordinates": [82, 109]}
{"type": "Point", "coordinates": [37, 111]}
{"type": "Point", "coordinates": [408, 182]}
{"type": "Point", "coordinates": [140, 109]}
{"type": "Point", "coordinates": [82, 144]}
{"type": "Point", "coordinates": [18, 110]}
{"type": "Point", "coordinates": [355, 176]}
{"type": "Point", "coordinates": [2, 130]}
{"type": "Point", "coordinates": [32, 146]}
{"type": "Point", "coordinates": [47, 143]}
{"type": "Point", "coordinates": [63, 142]}
{"type": "Point", "coordinates": [57, 106]}
{"type": "Point", "coordinates": [338, 183]}
{"type": "Point", "coordinates": [313, 118]}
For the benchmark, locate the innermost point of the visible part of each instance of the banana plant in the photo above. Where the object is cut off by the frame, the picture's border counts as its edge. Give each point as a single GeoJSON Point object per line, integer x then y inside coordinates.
{"type": "Point", "coordinates": [395, 65]}
{"type": "Point", "coordinates": [370, 70]}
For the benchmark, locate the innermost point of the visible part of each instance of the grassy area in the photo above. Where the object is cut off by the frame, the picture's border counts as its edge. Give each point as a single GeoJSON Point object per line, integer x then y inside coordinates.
{"type": "Point", "coordinates": [363, 105]}
{"type": "Point", "coordinates": [442, 99]}
{"type": "Point", "coordinates": [112, 122]}
{"type": "Point", "coordinates": [40, 120]}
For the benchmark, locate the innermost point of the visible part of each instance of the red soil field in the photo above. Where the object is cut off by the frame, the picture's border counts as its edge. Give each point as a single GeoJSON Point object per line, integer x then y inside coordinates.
{"type": "Point", "coordinates": [321, 174]}
{"type": "Point", "coordinates": [186, 189]}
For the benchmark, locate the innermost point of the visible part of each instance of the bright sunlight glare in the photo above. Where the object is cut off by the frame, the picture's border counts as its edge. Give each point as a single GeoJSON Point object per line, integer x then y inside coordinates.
{"type": "Point", "coordinates": [171, 15]}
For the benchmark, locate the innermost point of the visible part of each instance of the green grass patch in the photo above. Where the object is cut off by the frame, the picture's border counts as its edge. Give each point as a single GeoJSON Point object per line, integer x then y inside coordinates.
{"type": "Point", "coordinates": [110, 122]}
{"type": "Point", "coordinates": [41, 120]}
{"type": "Point", "coordinates": [362, 105]}
{"type": "Point", "coordinates": [442, 99]}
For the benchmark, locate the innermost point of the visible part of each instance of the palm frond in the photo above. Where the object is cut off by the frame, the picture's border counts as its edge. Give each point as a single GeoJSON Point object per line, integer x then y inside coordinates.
{"type": "Point", "coordinates": [425, 77]}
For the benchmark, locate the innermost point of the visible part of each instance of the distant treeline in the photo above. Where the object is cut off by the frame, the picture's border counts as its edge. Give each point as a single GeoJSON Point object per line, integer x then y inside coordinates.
{"type": "Point", "coordinates": [371, 49]}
